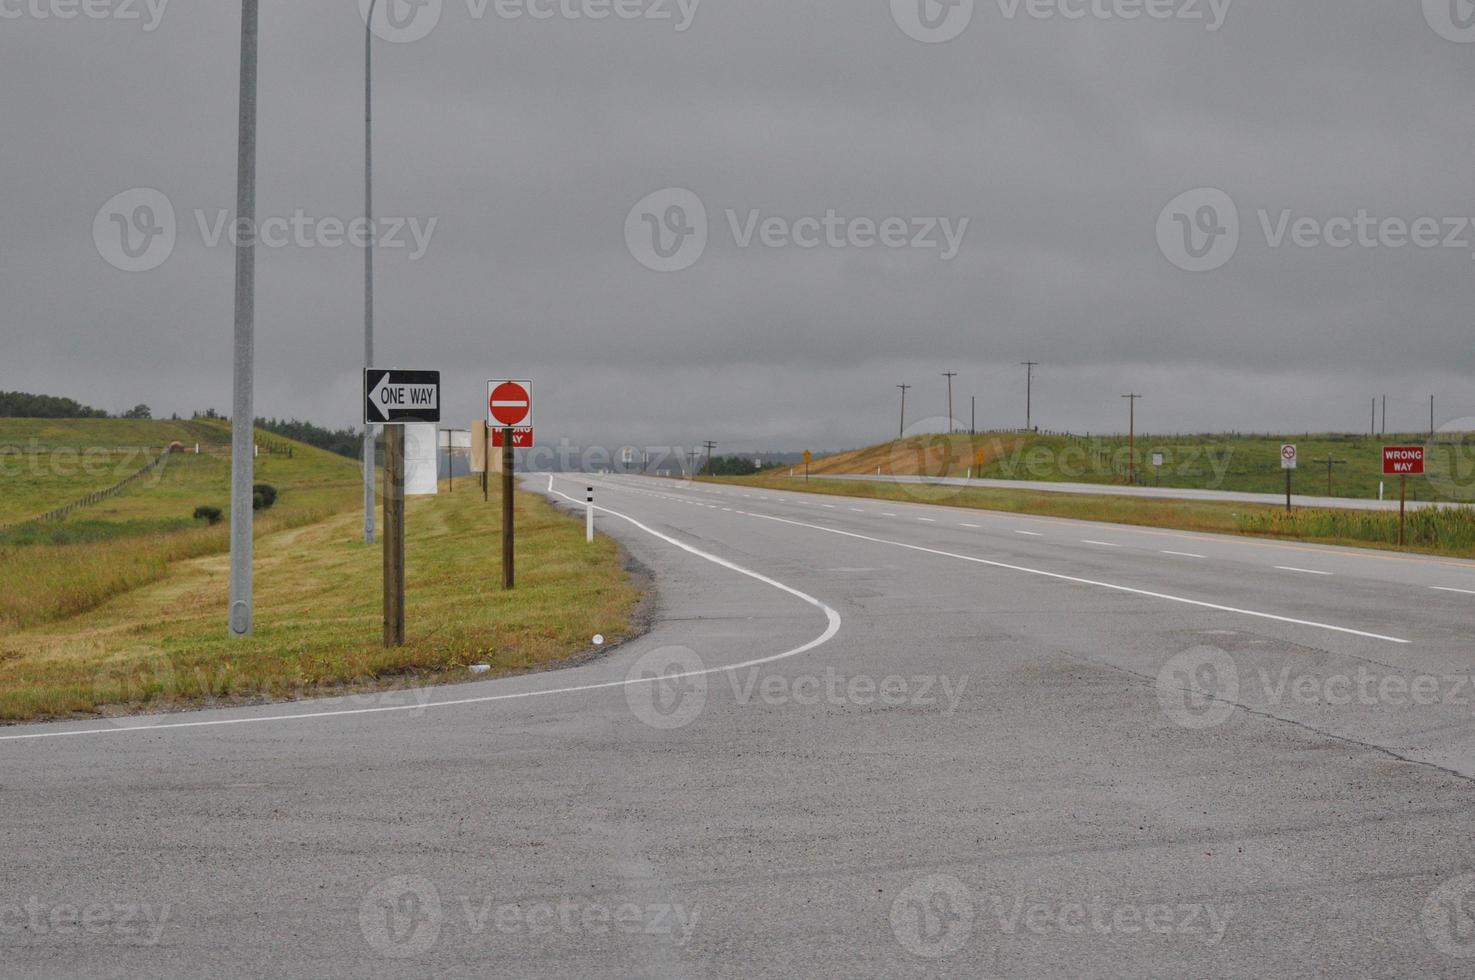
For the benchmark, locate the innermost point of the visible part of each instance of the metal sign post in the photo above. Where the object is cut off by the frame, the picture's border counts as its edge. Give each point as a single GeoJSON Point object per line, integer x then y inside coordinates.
{"type": "Point", "coordinates": [1403, 462]}
{"type": "Point", "coordinates": [508, 464]}
{"type": "Point", "coordinates": [243, 412]}
{"type": "Point", "coordinates": [394, 535]}
{"type": "Point", "coordinates": [1290, 459]}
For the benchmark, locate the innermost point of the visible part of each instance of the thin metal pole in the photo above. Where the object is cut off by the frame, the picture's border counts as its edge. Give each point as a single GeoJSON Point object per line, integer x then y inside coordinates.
{"type": "Point", "coordinates": [243, 411]}
{"type": "Point", "coordinates": [394, 535]}
{"type": "Point", "coordinates": [1029, 395]}
{"type": "Point", "coordinates": [950, 375]}
{"type": "Point", "coordinates": [369, 261]}
{"type": "Point", "coordinates": [509, 554]}
{"type": "Point", "coordinates": [902, 430]}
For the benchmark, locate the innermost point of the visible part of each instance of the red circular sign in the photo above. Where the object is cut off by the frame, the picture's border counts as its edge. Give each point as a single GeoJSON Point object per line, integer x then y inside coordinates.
{"type": "Point", "coordinates": [511, 403]}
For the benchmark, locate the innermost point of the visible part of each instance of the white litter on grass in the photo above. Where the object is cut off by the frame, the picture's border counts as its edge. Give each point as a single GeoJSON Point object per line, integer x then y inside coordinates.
{"type": "Point", "coordinates": [599, 639]}
{"type": "Point", "coordinates": [481, 668]}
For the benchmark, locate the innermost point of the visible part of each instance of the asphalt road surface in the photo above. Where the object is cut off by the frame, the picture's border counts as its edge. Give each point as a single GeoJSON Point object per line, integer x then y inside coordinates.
{"type": "Point", "coordinates": [1390, 503]}
{"type": "Point", "coordinates": [861, 740]}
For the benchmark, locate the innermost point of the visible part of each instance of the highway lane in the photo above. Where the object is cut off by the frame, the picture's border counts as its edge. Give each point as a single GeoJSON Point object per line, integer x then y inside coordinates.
{"type": "Point", "coordinates": [959, 750]}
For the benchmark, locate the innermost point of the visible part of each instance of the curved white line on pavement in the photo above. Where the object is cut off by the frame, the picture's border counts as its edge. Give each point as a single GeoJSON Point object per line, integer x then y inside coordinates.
{"type": "Point", "coordinates": [831, 629]}
{"type": "Point", "coordinates": [1086, 581]}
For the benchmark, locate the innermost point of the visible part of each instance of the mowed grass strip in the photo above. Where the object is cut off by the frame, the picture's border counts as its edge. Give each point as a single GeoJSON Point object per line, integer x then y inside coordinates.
{"type": "Point", "coordinates": [1449, 532]}
{"type": "Point", "coordinates": [319, 614]}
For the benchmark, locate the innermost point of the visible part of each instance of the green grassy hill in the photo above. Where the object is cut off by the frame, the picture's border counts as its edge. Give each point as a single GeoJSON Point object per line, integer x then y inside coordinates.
{"type": "Point", "coordinates": [1210, 462]}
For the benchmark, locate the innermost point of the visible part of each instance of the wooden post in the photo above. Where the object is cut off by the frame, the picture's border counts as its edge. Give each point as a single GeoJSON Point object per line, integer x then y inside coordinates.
{"type": "Point", "coordinates": [394, 535]}
{"type": "Point", "coordinates": [508, 462]}
{"type": "Point", "coordinates": [1402, 509]}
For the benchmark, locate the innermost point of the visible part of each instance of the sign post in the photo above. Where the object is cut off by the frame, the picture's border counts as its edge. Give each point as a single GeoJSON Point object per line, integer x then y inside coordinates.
{"type": "Point", "coordinates": [1290, 458]}
{"type": "Point", "coordinates": [1403, 462]}
{"type": "Point", "coordinates": [808, 458]}
{"type": "Point", "coordinates": [508, 463]}
{"type": "Point", "coordinates": [392, 399]}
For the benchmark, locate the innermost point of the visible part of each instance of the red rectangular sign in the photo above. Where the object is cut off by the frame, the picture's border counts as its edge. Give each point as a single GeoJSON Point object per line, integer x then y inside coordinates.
{"type": "Point", "coordinates": [521, 438]}
{"type": "Point", "coordinates": [1403, 460]}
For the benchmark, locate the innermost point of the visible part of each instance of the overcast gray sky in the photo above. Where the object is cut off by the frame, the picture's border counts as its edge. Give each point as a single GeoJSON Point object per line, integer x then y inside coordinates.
{"type": "Point", "coordinates": [1060, 132]}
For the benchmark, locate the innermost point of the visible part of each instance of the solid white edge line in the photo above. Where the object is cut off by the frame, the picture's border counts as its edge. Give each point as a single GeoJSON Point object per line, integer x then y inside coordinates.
{"type": "Point", "coordinates": [1302, 571]}
{"type": "Point", "coordinates": [1182, 554]}
{"type": "Point", "coordinates": [1440, 588]}
{"type": "Point", "coordinates": [1086, 581]}
{"type": "Point", "coordinates": [831, 630]}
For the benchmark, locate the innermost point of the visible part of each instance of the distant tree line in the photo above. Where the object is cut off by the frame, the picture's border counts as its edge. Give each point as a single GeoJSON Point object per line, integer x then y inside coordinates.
{"type": "Point", "coordinates": [344, 442]}
{"type": "Point", "coordinates": [20, 405]}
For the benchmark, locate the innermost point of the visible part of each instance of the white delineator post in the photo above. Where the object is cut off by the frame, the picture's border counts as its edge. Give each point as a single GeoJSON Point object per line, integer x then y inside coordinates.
{"type": "Point", "coordinates": [589, 517]}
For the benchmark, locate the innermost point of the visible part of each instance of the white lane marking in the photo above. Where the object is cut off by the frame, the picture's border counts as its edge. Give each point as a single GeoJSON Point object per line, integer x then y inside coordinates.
{"type": "Point", "coordinates": [830, 506]}
{"type": "Point", "coordinates": [1086, 581]}
{"type": "Point", "coordinates": [856, 510]}
{"type": "Point", "coordinates": [976, 527]}
{"type": "Point", "coordinates": [1100, 544]}
{"type": "Point", "coordinates": [884, 514]}
{"type": "Point", "coordinates": [1182, 554]}
{"type": "Point", "coordinates": [1032, 534]}
{"type": "Point", "coordinates": [927, 520]}
{"type": "Point", "coordinates": [1440, 588]}
{"type": "Point", "coordinates": [1301, 571]}
{"type": "Point", "coordinates": [832, 617]}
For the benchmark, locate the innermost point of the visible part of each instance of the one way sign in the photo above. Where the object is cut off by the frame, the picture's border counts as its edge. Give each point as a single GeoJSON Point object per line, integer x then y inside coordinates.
{"type": "Point", "coordinates": [394, 397]}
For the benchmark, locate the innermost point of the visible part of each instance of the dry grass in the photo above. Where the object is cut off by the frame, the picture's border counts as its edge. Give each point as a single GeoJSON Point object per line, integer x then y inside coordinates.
{"type": "Point", "coordinates": [319, 615]}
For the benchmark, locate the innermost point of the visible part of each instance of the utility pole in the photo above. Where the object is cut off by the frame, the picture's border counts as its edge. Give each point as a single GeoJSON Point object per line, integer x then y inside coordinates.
{"type": "Point", "coordinates": [711, 447]}
{"type": "Point", "coordinates": [1330, 463]}
{"type": "Point", "coordinates": [950, 375]}
{"type": "Point", "coordinates": [1029, 392]}
{"type": "Point", "coordinates": [973, 418]}
{"type": "Point", "coordinates": [1432, 430]}
{"type": "Point", "coordinates": [1132, 439]}
{"type": "Point", "coordinates": [369, 261]}
{"type": "Point", "coordinates": [902, 431]}
{"type": "Point", "coordinates": [1385, 415]}
{"type": "Point", "coordinates": [243, 417]}
{"type": "Point", "coordinates": [1373, 428]}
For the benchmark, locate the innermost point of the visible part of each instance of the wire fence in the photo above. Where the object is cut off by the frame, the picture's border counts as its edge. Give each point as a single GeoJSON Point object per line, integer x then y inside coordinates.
{"type": "Point", "coordinates": [95, 497]}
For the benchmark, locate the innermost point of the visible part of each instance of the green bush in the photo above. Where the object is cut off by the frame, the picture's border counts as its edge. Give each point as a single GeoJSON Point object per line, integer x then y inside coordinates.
{"type": "Point", "coordinates": [208, 514]}
{"type": "Point", "coordinates": [263, 496]}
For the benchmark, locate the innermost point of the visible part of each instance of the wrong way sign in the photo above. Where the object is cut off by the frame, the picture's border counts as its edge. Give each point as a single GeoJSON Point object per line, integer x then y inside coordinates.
{"type": "Point", "coordinates": [510, 405]}
{"type": "Point", "coordinates": [1403, 460]}
{"type": "Point", "coordinates": [394, 397]}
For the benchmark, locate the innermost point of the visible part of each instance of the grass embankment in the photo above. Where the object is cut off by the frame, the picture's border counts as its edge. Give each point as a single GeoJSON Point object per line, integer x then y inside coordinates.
{"type": "Point", "coordinates": [122, 605]}
{"type": "Point", "coordinates": [319, 616]}
{"type": "Point", "coordinates": [1213, 462]}
{"type": "Point", "coordinates": [63, 568]}
{"type": "Point", "coordinates": [1438, 532]}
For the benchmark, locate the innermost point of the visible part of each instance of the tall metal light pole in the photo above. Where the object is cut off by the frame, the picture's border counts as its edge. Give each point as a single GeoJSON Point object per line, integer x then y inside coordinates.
{"type": "Point", "coordinates": [369, 260]}
{"type": "Point", "coordinates": [950, 375]}
{"type": "Point", "coordinates": [1029, 394]}
{"type": "Point", "coordinates": [1132, 440]}
{"type": "Point", "coordinates": [243, 410]}
{"type": "Point", "coordinates": [902, 431]}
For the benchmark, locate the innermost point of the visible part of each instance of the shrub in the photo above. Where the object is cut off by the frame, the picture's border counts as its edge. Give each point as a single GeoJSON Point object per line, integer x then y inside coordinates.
{"type": "Point", "coordinates": [208, 514]}
{"type": "Point", "coordinates": [263, 496]}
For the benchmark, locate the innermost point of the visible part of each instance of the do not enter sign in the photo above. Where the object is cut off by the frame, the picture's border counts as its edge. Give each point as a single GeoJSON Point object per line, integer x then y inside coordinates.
{"type": "Point", "coordinates": [510, 406]}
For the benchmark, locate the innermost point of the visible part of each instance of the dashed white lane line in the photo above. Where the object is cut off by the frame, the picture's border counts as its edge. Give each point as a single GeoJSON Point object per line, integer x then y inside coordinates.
{"type": "Point", "coordinates": [1100, 544]}
{"type": "Point", "coordinates": [927, 520]}
{"type": "Point", "coordinates": [1057, 576]}
{"type": "Point", "coordinates": [1440, 588]}
{"type": "Point", "coordinates": [1182, 554]}
{"type": "Point", "coordinates": [1030, 534]}
{"type": "Point", "coordinates": [856, 510]}
{"type": "Point", "coordinates": [884, 514]}
{"type": "Point", "coordinates": [831, 630]}
{"type": "Point", "coordinates": [976, 527]}
{"type": "Point", "coordinates": [1302, 571]}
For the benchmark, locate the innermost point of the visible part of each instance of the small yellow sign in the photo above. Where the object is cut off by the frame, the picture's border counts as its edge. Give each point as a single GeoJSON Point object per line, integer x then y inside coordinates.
{"type": "Point", "coordinates": [808, 457]}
